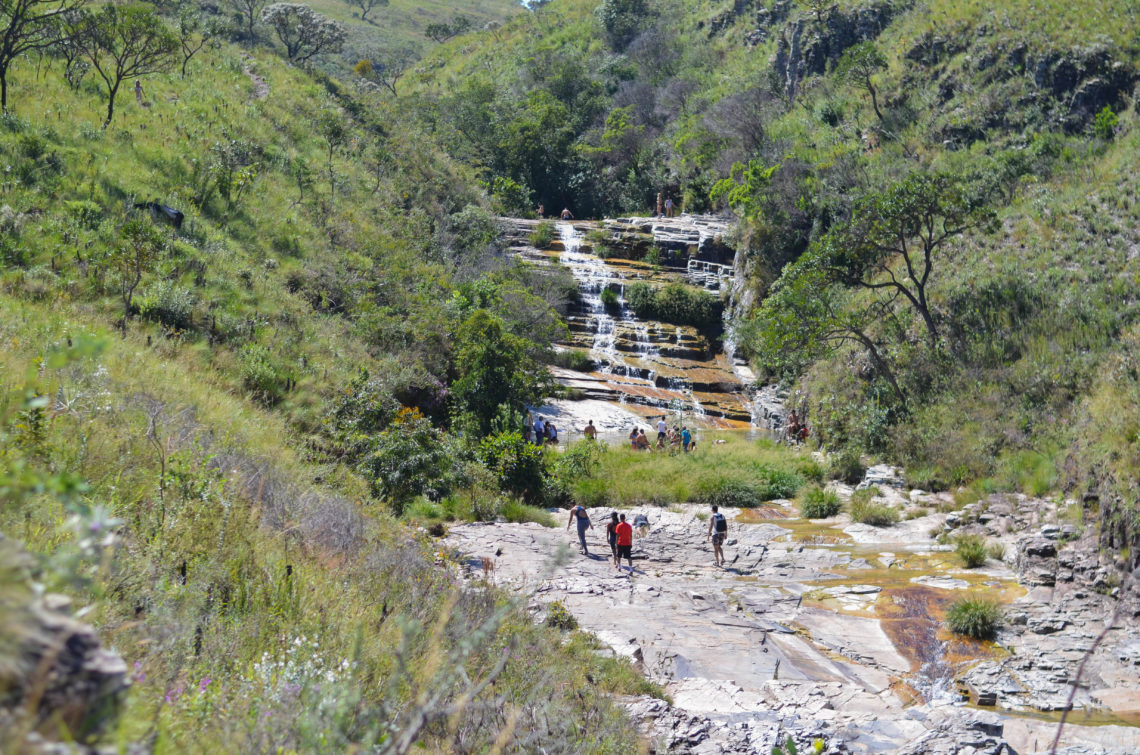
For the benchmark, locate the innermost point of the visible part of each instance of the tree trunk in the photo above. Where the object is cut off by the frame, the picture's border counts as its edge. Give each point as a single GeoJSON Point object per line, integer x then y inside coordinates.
{"type": "Point", "coordinates": [874, 99]}
{"type": "Point", "coordinates": [110, 105]}
{"type": "Point", "coordinates": [4, 90]}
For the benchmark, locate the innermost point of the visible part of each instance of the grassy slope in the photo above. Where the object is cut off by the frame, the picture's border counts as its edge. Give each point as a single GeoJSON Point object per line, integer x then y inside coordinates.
{"type": "Point", "coordinates": [243, 497]}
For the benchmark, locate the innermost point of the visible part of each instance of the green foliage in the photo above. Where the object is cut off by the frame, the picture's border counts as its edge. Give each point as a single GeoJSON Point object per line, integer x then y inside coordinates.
{"type": "Point", "coordinates": [846, 465]}
{"type": "Point", "coordinates": [263, 375]}
{"type": "Point", "coordinates": [971, 549]}
{"type": "Point", "coordinates": [543, 235]}
{"type": "Point", "coordinates": [519, 513]}
{"type": "Point", "coordinates": [494, 368]}
{"type": "Point", "coordinates": [408, 459]}
{"type": "Point", "coordinates": [610, 298]}
{"type": "Point", "coordinates": [621, 20]}
{"type": "Point", "coordinates": [819, 503]}
{"type": "Point", "coordinates": [675, 303]}
{"type": "Point", "coordinates": [1105, 124]}
{"type": "Point", "coordinates": [519, 466]}
{"type": "Point", "coordinates": [572, 359]}
{"type": "Point", "coordinates": [975, 617]}
{"type": "Point", "coordinates": [170, 304]}
{"type": "Point", "coordinates": [866, 511]}
{"type": "Point", "coordinates": [858, 65]}
{"type": "Point", "coordinates": [303, 32]}
{"type": "Point", "coordinates": [559, 616]}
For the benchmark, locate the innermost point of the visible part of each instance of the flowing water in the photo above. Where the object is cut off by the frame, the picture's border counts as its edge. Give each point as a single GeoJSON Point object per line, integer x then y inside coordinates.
{"type": "Point", "coordinates": [651, 368]}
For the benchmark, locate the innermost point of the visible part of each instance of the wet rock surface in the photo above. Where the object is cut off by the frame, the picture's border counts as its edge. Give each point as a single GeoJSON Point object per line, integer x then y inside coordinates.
{"type": "Point", "coordinates": [812, 633]}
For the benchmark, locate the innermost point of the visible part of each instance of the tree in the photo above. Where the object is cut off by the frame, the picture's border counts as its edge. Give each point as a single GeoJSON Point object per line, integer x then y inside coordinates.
{"type": "Point", "coordinates": [408, 459]}
{"type": "Point", "coordinates": [807, 314]}
{"type": "Point", "coordinates": [908, 222]}
{"type": "Point", "coordinates": [193, 35]}
{"type": "Point", "coordinates": [818, 7]}
{"type": "Point", "coordinates": [366, 6]}
{"type": "Point", "coordinates": [304, 32]}
{"type": "Point", "coordinates": [622, 20]}
{"type": "Point", "coordinates": [136, 253]}
{"type": "Point", "coordinates": [858, 65]}
{"type": "Point", "coordinates": [494, 368]}
{"type": "Point", "coordinates": [249, 11]}
{"type": "Point", "coordinates": [386, 70]}
{"type": "Point", "coordinates": [124, 42]}
{"type": "Point", "coordinates": [27, 25]}
{"type": "Point", "coordinates": [441, 32]}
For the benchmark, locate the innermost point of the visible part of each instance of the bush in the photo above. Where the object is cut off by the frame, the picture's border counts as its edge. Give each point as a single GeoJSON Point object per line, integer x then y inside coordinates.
{"type": "Point", "coordinates": [974, 617]}
{"type": "Point", "coordinates": [559, 616]}
{"type": "Point", "coordinates": [610, 298]}
{"type": "Point", "coordinates": [1104, 126]}
{"type": "Point", "coordinates": [263, 376]}
{"type": "Point", "coordinates": [865, 511]}
{"type": "Point", "coordinates": [409, 459]}
{"type": "Point", "coordinates": [730, 493]}
{"type": "Point", "coordinates": [972, 550]}
{"type": "Point", "coordinates": [995, 550]}
{"type": "Point", "coordinates": [675, 303]}
{"type": "Point", "coordinates": [518, 512]}
{"type": "Point", "coordinates": [169, 304]}
{"type": "Point", "coordinates": [572, 359]}
{"type": "Point", "coordinates": [542, 235]}
{"type": "Point", "coordinates": [517, 464]}
{"type": "Point", "coordinates": [819, 503]}
{"type": "Point", "coordinates": [847, 466]}
{"type": "Point", "coordinates": [779, 484]}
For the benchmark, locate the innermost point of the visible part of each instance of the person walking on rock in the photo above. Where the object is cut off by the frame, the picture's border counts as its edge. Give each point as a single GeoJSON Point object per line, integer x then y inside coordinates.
{"type": "Point", "coordinates": [625, 543]}
{"type": "Point", "coordinates": [718, 531]}
{"type": "Point", "coordinates": [611, 537]}
{"type": "Point", "coordinates": [579, 513]}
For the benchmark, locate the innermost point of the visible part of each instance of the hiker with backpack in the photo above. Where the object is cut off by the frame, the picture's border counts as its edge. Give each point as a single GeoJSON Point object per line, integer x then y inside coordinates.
{"type": "Point", "coordinates": [579, 513]}
{"type": "Point", "coordinates": [718, 531]}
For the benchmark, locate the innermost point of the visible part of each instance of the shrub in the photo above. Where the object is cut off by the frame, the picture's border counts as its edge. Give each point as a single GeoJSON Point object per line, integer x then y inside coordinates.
{"type": "Point", "coordinates": [572, 359]}
{"type": "Point", "coordinates": [1105, 124]}
{"type": "Point", "coordinates": [971, 549]}
{"type": "Point", "coordinates": [542, 235]}
{"type": "Point", "coordinates": [169, 304]}
{"type": "Point", "coordinates": [518, 465]}
{"type": "Point", "coordinates": [610, 298]}
{"type": "Point", "coordinates": [731, 493]}
{"type": "Point", "coordinates": [819, 503]}
{"type": "Point", "coordinates": [866, 511]}
{"type": "Point", "coordinates": [559, 616]}
{"type": "Point", "coordinates": [847, 466]}
{"type": "Point", "coordinates": [518, 512]}
{"type": "Point", "coordinates": [409, 459]}
{"type": "Point", "coordinates": [995, 550]}
{"type": "Point", "coordinates": [675, 303]}
{"type": "Point", "coordinates": [974, 617]}
{"type": "Point", "coordinates": [262, 375]}
{"type": "Point", "coordinates": [779, 484]}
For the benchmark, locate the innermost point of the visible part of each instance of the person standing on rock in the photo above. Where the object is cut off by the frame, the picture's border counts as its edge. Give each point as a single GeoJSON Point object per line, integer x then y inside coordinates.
{"type": "Point", "coordinates": [662, 431]}
{"type": "Point", "coordinates": [566, 214]}
{"type": "Point", "coordinates": [590, 431]}
{"type": "Point", "coordinates": [718, 531]}
{"type": "Point", "coordinates": [625, 543]}
{"type": "Point", "coordinates": [611, 538]}
{"type": "Point", "coordinates": [668, 207]}
{"type": "Point", "coordinates": [579, 513]}
{"type": "Point", "coordinates": [539, 431]}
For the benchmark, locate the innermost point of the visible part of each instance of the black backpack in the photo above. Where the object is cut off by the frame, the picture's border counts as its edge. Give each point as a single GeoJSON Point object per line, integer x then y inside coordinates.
{"type": "Point", "coordinates": [720, 524]}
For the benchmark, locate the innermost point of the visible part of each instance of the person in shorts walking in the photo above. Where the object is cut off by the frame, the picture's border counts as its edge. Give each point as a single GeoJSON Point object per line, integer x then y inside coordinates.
{"type": "Point", "coordinates": [579, 513]}
{"type": "Point", "coordinates": [625, 542]}
{"type": "Point", "coordinates": [718, 531]}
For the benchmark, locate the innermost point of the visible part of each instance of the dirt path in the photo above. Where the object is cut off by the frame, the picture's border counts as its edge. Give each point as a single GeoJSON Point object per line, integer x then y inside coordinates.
{"type": "Point", "coordinates": [260, 88]}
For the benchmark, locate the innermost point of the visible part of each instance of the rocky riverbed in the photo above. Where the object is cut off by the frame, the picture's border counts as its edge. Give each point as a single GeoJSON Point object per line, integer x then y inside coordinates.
{"type": "Point", "coordinates": [831, 632]}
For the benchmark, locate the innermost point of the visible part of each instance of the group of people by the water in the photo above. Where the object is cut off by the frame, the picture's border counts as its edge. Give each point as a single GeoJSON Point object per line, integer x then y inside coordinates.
{"type": "Point", "coordinates": [797, 429]}
{"type": "Point", "coordinates": [673, 438]}
{"type": "Point", "coordinates": [619, 534]}
{"type": "Point", "coordinates": [540, 431]}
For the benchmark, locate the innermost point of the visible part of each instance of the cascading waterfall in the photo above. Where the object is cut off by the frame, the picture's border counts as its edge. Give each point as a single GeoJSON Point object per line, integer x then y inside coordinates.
{"type": "Point", "coordinates": [628, 350]}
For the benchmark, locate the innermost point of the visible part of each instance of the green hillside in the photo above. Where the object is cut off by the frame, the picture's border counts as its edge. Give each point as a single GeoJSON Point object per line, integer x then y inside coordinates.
{"type": "Point", "coordinates": [275, 408]}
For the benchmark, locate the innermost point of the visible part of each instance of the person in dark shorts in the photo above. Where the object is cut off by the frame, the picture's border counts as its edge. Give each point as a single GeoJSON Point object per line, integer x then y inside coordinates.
{"type": "Point", "coordinates": [611, 537]}
{"type": "Point", "coordinates": [718, 531]}
{"type": "Point", "coordinates": [625, 542]}
{"type": "Point", "coordinates": [579, 513]}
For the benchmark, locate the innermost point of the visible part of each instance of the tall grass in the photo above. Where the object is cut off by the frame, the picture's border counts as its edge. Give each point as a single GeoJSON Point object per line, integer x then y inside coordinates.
{"type": "Point", "coordinates": [735, 473]}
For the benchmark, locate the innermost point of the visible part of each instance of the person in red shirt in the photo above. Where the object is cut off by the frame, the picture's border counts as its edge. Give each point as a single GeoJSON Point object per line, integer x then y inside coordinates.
{"type": "Point", "coordinates": [625, 542]}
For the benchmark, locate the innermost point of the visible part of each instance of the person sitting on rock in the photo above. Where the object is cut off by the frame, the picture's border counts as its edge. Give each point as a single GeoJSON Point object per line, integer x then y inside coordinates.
{"type": "Point", "coordinates": [642, 443]}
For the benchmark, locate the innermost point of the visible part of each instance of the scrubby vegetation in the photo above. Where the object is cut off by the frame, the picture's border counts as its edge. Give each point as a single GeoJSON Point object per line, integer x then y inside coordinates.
{"type": "Point", "coordinates": [866, 510]}
{"type": "Point", "coordinates": [975, 617]}
{"type": "Point", "coordinates": [818, 502]}
{"type": "Point", "coordinates": [971, 549]}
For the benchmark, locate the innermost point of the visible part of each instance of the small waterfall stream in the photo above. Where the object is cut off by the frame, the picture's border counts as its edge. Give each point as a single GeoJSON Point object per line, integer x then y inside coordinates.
{"type": "Point", "coordinates": [646, 363]}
